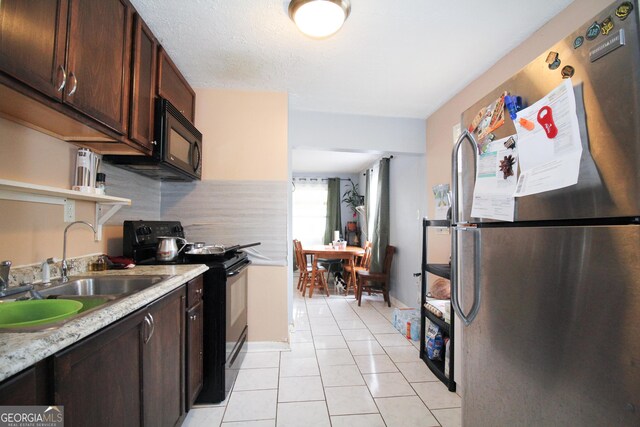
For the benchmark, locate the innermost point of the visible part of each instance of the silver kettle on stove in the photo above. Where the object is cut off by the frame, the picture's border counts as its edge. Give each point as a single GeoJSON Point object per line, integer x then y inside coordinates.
{"type": "Point", "coordinates": [168, 248]}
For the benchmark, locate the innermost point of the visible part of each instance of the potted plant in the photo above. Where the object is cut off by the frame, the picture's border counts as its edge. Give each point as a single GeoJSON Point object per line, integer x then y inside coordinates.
{"type": "Point", "coordinates": [353, 199]}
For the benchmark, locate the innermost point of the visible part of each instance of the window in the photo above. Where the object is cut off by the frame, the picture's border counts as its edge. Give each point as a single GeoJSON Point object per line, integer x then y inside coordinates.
{"type": "Point", "coordinates": [309, 211]}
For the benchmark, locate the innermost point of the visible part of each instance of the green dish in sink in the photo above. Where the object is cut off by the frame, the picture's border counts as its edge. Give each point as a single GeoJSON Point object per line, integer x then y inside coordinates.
{"type": "Point", "coordinates": [16, 314]}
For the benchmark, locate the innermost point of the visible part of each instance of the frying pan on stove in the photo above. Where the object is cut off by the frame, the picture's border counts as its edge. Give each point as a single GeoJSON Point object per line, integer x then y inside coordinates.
{"type": "Point", "coordinates": [214, 252]}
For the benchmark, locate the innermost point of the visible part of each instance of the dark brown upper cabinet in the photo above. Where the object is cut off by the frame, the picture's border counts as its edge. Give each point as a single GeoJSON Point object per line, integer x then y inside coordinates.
{"type": "Point", "coordinates": [98, 54]}
{"type": "Point", "coordinates": [173, 86]}
{"type": "Point", "coordinates": [32, 43]}
{"type": "Point", "coordinates": [86, 72]}
{"type": "Point", "coordinates": [75, 51]}
{"type": "Point", "coordinates": [143, 84]}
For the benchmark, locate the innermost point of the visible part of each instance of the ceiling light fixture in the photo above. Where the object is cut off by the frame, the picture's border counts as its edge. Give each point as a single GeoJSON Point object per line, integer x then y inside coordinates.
{"type": "Point", "coordinates": [319, 18]}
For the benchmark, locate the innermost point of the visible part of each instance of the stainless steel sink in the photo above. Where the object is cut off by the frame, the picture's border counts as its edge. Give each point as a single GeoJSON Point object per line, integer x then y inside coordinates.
{"type": "Point", "coordinates": [93, 291]}
{"type": "Point", "coordinates": [102, 285]}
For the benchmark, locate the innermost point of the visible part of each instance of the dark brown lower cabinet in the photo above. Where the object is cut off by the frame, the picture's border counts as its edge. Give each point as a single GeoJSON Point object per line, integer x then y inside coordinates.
{"type": "Point", "coordinates": [194, 353]}
{"type": "Point", "coordinates": [28, 387]}
{"type": "Point", "coordinates": [194, 342]}
{"type": "Point", "coordinates": [130, 373]}
{"type": "Point", "coordinates": [99, 380]}
{"type": "Point", "coordinates": [163, 355]}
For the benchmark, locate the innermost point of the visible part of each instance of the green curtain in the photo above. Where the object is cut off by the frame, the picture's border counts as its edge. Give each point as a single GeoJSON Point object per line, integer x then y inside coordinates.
{"type": "Point", "coordinates": [380, 234]}
{"type": "Point", "coordinates": [367, 214]}
{"type": "Point", "coordinates": [334, 216]}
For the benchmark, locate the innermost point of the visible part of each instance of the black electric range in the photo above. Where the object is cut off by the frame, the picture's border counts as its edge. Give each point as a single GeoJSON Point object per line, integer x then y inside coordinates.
{"type": "Point", "coordinates": [224, 299]}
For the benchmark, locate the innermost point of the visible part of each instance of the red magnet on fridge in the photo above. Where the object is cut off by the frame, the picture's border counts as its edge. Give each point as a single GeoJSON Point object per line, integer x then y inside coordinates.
{"type": "Point", "coordinates": [545, 118]}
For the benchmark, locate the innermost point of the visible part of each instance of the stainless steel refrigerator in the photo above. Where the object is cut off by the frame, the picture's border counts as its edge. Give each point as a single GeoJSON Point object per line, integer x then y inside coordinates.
{"type": "Point", "coordinates": [551, 301]}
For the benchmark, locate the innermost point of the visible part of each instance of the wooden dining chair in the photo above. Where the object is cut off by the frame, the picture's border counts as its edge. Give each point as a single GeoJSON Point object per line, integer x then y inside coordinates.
{"type": "Point", "coordinates": [305, 270]}
{"type": "Point", "coordinates": [376, 282]}
{"type": "Point", "coordinates": [365, 262]}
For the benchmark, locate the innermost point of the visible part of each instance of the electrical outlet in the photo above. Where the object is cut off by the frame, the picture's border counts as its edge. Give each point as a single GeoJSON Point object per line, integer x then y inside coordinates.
{"type": "Point", "coordinates": [69, 210]}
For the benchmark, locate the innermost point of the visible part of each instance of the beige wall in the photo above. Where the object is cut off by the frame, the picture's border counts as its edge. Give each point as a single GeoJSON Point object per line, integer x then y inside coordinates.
{"type": "Point", "coordinates": [245, 139]}
{"type": "Point", "coordinates": [267, 304]}
{"type": "Point", "coordinates": [31, 232]}
{"type": "Point", "coordinates": [244, 134]}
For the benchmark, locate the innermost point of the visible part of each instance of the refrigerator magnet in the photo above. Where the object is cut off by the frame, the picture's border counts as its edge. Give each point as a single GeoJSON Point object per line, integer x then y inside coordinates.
{"type": "Point", "coordinates": [527, 124]}
{"type": "Point", "coordinates": [606, 26]}
{"type": "Point", "coordinates": [578, 42]}
{"type": "Point", "coordinates": [567, 72]}
{"type": "Point", "coordinates": [593, 31]}
{"type": "Point", "coordinates": [510, 143]}
{"type": "Point", "coordinates": [624, 10]}
{"type": "Point", "coordinates": [506, 166]}
{"type": "Point", "coordinates": [545, 118]}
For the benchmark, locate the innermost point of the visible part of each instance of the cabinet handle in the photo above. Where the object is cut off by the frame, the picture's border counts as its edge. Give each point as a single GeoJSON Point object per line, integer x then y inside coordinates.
{"type": "Point", "coordinates": [147, 322]}
{"type": "Point", "coordinates": [153, 327]}
{"type": "Point", "coordinates": [151, 324]}
{"type": "Point", "coordinates": [64, 78]}
{"type": "Point", "coordinates": [198, 291]}
{"type": "Point", "coordinates": [154, 142]}
{"type": "Point", "coordinates": [75, 84]}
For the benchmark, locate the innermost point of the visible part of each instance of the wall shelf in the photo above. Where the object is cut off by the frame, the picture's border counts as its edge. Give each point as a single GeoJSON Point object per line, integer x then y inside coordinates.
{"type": "Point", "coordinates": [106, 206]}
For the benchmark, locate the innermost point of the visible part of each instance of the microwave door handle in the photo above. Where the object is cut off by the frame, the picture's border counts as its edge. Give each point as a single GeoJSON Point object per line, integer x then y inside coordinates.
{"type": "Point", "coordinates": [195, 152]}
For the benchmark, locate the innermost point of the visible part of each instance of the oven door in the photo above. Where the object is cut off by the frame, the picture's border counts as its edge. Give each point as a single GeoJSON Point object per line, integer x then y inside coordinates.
{"type": "Point", "coordinates": [236, 312]}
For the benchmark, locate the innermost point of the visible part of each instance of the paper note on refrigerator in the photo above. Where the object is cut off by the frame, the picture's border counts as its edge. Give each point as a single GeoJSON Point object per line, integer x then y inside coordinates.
{"type": "Point", "coordinates": [496, 179]}
{"type": "Point", "coordinates": [549, 143]}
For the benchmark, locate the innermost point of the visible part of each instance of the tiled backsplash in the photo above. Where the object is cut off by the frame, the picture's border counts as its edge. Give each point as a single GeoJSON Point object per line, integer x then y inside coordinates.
{"type": "Point", "coordinates": [232, 212]}
{"type": "Point", "coordinates": [220, 212]}
{"type": "Point", "coordinates": [32, 273]}
{"type": "Point", "coordinates": [144, 193]}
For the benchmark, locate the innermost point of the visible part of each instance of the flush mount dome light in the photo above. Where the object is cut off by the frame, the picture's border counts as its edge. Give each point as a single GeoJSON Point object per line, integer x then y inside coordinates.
{"type": "Point", "coordinates": [319, 18]}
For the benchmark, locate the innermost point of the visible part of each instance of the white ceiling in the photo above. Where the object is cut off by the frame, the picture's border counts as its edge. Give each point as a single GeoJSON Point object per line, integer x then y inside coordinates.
{"type": "Point", "coordinates": [317, 161]}
{"type": "Point", "coordinates": [391, 58]}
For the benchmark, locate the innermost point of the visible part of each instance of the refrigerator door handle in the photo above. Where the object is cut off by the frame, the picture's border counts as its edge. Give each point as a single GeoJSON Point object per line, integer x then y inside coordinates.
{"type": "Point", "coordinates": [455, 299]}
{"type": "Point", "coordinates": [455, 217]}
{"type": "Point", "coordinates": [455, 282]}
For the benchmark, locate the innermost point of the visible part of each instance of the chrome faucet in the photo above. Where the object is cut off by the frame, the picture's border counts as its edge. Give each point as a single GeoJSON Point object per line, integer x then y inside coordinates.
{"type": "Point", "coordinates": [5, 266]}
{"type": "Point", "coordinates": [65, 268]}
{"type": "Point", "coordinates": [5, 291]}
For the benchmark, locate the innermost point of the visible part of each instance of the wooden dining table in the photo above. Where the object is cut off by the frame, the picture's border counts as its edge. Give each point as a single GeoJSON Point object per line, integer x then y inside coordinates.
{"type": "Point", "coordinates": [329, 252]}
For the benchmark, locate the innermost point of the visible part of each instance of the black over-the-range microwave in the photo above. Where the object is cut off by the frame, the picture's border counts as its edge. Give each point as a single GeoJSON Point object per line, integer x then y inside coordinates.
{"type": "Point", "coordinates": [177, 150]}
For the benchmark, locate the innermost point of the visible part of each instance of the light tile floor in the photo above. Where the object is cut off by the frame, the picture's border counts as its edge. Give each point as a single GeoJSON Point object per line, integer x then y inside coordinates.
{"type": "Point", "coordinates": [347, 366]}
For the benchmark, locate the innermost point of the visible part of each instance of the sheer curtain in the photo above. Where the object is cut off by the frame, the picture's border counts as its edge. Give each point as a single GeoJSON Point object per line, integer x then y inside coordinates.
{"type": "Point", "coordinates": [309, 210]}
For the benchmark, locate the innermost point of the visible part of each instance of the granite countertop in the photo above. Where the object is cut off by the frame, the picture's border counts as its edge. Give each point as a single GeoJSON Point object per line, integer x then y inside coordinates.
{"type": "Point", "coordinates": [19, 350]}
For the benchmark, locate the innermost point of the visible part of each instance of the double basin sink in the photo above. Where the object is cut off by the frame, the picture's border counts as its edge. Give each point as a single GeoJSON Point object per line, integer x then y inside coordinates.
{"type": "Point", "coordinates": [93, 292]}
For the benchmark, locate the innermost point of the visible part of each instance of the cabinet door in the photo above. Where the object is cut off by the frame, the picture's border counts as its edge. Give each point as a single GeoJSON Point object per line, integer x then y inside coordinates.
{"type": "Point", "coordinates": [28, 387]}
{"type": "Point", "coordinates": [163, 380]}
{"type": "Point", "coordinates": [195, 288]}
{"type": "Point", "coordinates": [143, 84]}
{"type": "Point", "coordinates": [194, 353]}
{"type": "Point", "coordinates": [98, 58]}
{"type": "Point", "coordinates": [32, 43]}
{"type": "Point", "coordinates": [98, 379]}
{"type": "Point", "coordinates": [173, 86]}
